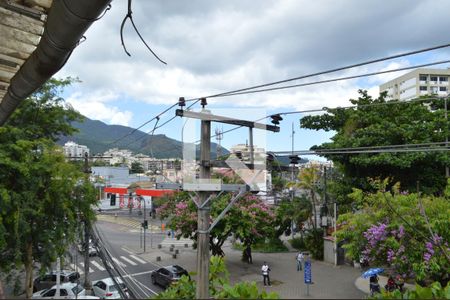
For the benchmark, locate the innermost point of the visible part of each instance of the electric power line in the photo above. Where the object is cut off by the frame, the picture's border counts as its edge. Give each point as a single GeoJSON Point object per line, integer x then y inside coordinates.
{"type": "Point", "coordinates": [339, 107]}
{"type": "Point", "coordinates": [333, 70]}
{"type": "Point", "coordinates": [337, 79]}
{"type": "Point", "coordinates": [433, 146]}
{"type": "Point", "coordinates": [297, 78]}
{"type": "Point", "coordinates": [166, 122]}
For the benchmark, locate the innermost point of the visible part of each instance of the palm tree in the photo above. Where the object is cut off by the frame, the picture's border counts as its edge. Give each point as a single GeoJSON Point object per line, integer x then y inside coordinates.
{"type": "Point", "coordinates": [307, 180]}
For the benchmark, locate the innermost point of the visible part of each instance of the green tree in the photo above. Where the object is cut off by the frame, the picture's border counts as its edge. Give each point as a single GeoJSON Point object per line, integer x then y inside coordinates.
{"type": "Point", "coordinates": [136, 168]}
{"type": "Point", "coordinates": [378, 122]}
{"type": "Point", "coordinates": [249, 219]}
{"type": "Point", "coordinates": [219, 286]}
{"type": "Point", "coordinates": [298, 211]}
{"type": "Point", "coordinates": [308, 179]}
{"type": "Point", "coordinates": [40, 193]}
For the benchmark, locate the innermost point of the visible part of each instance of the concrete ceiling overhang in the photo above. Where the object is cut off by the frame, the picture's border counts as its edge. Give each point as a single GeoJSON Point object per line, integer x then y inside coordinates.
{"type": "Point", "coordinates": [37, 38]}
{"type": "Point", "coordinates": [21, 27]}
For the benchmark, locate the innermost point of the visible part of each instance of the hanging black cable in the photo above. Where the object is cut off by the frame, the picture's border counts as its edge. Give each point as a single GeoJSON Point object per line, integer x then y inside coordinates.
{"type": "Point", "coordinates": [129, 16]}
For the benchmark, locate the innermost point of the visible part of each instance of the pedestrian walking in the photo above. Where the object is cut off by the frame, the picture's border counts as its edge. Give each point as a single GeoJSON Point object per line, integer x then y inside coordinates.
{"type": "Point", "coordinates": [248, 254]}
{"type": "Point", "coordinates": [265, 273]}
{"type": "Point", "coordinates": [374, 285]}
{"type": "Point", "coordinates": [300, 259]}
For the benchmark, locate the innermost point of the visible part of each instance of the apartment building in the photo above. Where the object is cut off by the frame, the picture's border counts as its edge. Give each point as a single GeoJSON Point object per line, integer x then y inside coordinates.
{"type": "Point", "coordinates": [419, 82]}
{"type": "Point", "coordinates": [259, 154]}
{"type": "Point", "coordinates": [72, 149]}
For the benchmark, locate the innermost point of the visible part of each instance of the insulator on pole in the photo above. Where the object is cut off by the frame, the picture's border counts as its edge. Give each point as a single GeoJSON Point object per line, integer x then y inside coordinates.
{"type": "Point", "coordinates": [181, 102]}
{"type": "Point", "coordinates": [276, 119]}
{"type": "Point", "coordinates": [203, 102]}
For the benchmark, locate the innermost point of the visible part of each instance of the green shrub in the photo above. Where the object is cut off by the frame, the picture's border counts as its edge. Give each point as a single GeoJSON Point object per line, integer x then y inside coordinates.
{"type": "Point", "coordinates": [434, 291]}
{"type": "Point", "coordinates": [265, 246]}
{"type": "Point", "coordinates": [314, 243]}
{"type": "Point", "coordinates": [219, 286]}
{"type": "Point", "coordinates": [298, 243]}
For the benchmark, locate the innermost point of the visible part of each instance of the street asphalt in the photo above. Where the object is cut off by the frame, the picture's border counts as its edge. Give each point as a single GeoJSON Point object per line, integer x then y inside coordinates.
{"type": "Point", "coordinates": [329, 281]}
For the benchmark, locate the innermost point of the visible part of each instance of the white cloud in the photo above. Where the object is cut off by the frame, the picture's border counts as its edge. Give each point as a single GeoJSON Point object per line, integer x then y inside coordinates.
{"type": "Point", "coordinates": [227, 45]}
{"type": "Point", "coordinates": [95, 106]}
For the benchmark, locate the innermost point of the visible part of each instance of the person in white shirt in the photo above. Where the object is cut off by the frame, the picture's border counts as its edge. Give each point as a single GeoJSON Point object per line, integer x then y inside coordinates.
{"type": "Point", "coordinates": [265, 273]}
{"type": "Point", "coordinates": [300, 258]}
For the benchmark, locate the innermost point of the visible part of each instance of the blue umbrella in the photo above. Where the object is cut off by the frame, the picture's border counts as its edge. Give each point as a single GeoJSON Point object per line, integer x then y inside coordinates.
{"type": "Point", "coordinates": [371, 272]}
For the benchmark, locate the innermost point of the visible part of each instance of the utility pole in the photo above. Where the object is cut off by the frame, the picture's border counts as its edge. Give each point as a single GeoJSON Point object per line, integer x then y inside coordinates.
{"type": "Point", "coordinates": [293, 165]}
{"type": "Point", "coordinates": [447, 174]}
{"type": "Point", "coordinates": [87, 281]}
{"type": "Point", "coordinates": [219, 137]}
{"type": "Point", "coordinates": [202, 291]}
{"type": "Point", "coordinates": [145, 223]}
{"type": "Point", "coordinates": [203, 187]}
{"type": "Point", "coordinates": [252, 151]}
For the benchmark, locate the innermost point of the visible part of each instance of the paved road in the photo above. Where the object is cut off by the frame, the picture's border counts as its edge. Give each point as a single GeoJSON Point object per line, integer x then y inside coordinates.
{"type": "Point", "coordinates": [135, 268]}
{"type": "Point", "coordinates": [124, 243]}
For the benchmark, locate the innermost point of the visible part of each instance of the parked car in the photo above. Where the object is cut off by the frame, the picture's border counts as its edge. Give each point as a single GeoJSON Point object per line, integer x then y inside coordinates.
{"type": "Point", "coordinates": [165, 276]}
{"type": "Point", "coordinates": [48, 280]}
{"type": "Point", "coordinates": [67, 290]}
{"type": "Point", "coordinates": [106, 288]}
{"type": "Point", "coordinates": [92, 250]}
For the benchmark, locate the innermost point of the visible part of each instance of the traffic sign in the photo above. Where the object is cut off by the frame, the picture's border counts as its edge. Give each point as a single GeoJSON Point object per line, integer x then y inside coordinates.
{"type": "Point", "coordinates": [308, 277]}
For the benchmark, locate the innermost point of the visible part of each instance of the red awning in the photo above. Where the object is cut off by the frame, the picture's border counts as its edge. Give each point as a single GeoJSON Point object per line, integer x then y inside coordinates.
{"type": "Point", "coordinates": [116, 190]}
{"type": "Point", "coordinates": [153, 193]}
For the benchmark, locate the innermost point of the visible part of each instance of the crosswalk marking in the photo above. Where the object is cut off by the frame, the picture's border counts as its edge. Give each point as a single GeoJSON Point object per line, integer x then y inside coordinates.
{"type": "Point", "coordinates": [82, 266]}
{"type": "Point", "coordinates": [127, 251]}
{"type": "Point", "coordinates": [128, 261]}
{"type": "Point", "coordinates": [75, 268]}
{"type": "Point", "coordinates": [98, 266]}
{"type": "Point", "coordinates": [138, 259]}
{"type": "Point", "coordinates": [127, 222]}
{"type": "Point", "coordinates": [174, 241]}
{"type": "Point", "coordinates": [119, 262]}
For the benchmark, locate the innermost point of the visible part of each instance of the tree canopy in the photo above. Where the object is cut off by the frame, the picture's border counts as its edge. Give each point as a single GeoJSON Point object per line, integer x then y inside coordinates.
{"type": "Point", "coordinates": [378, 122]}
{"type": "Point", "coordinates": [248, 219]}
{"type": "Point", "coordinates": [406, 233]}
{"type": "Point", "coordinates": [40, 193]}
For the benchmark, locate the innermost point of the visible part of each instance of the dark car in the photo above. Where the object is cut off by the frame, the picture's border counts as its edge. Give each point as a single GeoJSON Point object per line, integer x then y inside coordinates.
{"type": "Point", "coordinates": [166, 275]}
{"type": "Point", "coordinates": [48, 280]}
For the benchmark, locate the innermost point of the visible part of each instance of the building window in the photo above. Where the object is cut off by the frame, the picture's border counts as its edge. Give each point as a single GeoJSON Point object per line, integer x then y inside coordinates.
{"type": "Point", "coordinates": [442, 89]}
{"type": "Point", "coordinates": [433, 78]}
{"type": "Point", "coordinates": [434, 89]}
{"type": "Point", "coordinates": [423, 77]}
{"type": "Point", "coordinates": [423, 88]}
{"type": "Point", "coordinates": [442, 78]}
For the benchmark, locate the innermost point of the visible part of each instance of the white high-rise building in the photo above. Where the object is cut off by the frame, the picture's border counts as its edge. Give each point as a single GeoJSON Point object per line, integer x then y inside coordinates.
{"type": "Point", "coordinates": [419, 82]}
{"type": "Point", "coordinates": [72, 149]}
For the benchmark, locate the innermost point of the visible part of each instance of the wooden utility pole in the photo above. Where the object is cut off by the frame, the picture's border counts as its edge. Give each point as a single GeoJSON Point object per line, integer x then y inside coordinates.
{"type": "Point", "coordinates": [202, 291]}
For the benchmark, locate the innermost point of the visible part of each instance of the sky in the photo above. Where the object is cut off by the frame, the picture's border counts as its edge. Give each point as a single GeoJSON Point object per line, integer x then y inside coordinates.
{"type": "Point", "coordinates": [217, 46]}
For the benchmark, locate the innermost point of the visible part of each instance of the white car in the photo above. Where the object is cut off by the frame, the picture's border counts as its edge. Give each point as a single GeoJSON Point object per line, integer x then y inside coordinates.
{"type": "Point", "coordinates": [67, 290]}
{"type": "Point", "coordinates": [106, 288]}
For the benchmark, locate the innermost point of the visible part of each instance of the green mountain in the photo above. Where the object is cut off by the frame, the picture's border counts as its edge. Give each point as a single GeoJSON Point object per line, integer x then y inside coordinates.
{"type": "Point", "coordinates": [99, 137]}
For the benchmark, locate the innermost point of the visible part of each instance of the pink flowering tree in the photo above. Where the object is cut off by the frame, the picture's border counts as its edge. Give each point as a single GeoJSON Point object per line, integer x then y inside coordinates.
{"type": "Point", "coordinates": [249, 219]}
{"type": "Point", "coordinates": [405, 234]}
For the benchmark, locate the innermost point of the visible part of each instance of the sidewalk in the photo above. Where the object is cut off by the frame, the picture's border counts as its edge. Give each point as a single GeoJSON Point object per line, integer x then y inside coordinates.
{"type": "Point", "coordinates": [332, 282]}
{"type": "Point", "coordinates": [329, 281]}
